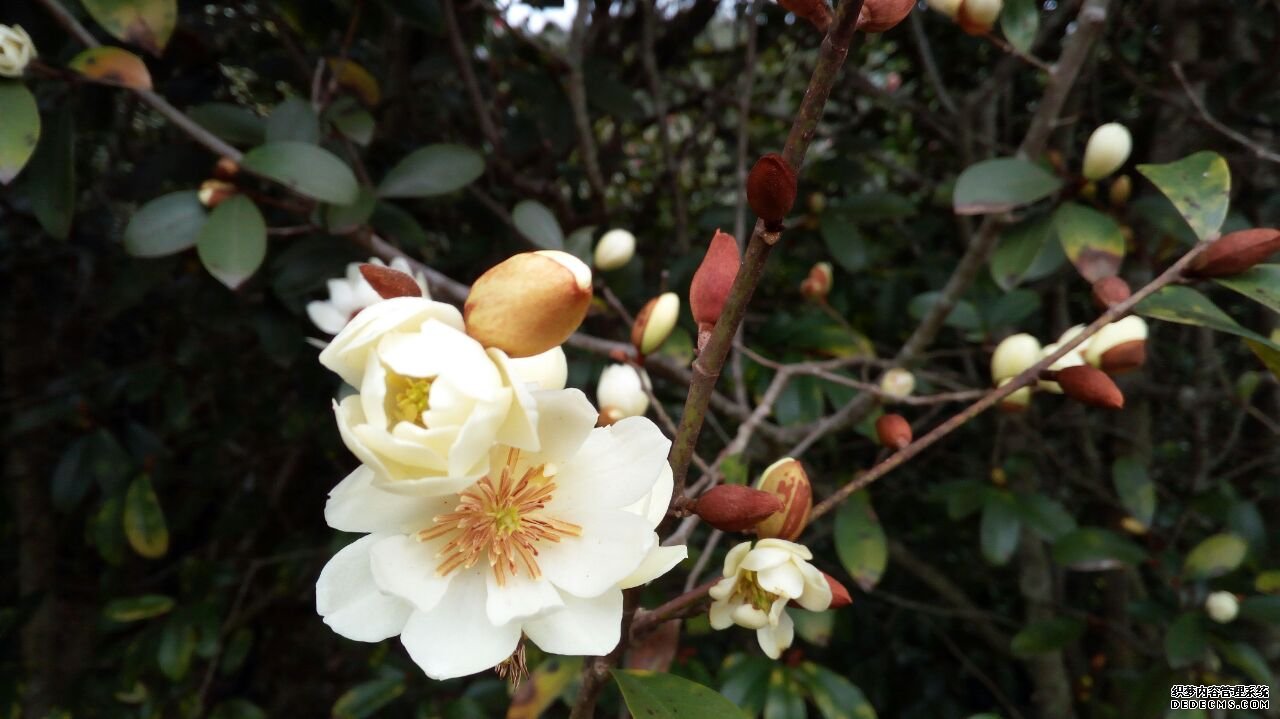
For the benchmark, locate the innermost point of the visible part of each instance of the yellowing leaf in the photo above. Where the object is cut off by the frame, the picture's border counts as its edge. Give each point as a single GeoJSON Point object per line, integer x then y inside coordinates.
{"type": "Point", "coordinates": [146, 23]}
{"type": "Point", "coordinates": [544, 684]}
{"type": "Point", "coordinates": [355, 79]}
{"type": "Point", "coordinates": [144, 523]}
{"type": "Point", "coordinates": [112, 66]}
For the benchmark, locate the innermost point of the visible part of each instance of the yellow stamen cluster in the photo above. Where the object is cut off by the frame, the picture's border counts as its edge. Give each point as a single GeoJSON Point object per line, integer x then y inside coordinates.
{"type": "Point", "coordinates": [751, 592]}
{"type": "Point", "coordinates": [409, 397]}
{"type": "Point", "coordinates": [503, 521]}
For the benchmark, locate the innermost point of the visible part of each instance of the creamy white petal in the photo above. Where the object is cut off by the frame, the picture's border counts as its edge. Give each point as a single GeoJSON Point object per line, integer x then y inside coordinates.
{"type": "Point", "coordinates": [611, 547]}
{"type": "Point", "coordinates": [721, 615]}
{"type": "Point", "coordinates": [654, 507]}
{"type": "Point", "coordinates": [733, 560]}
{"type": "Point", "coordinates": [585, 627]}
{"type": "Point", "coordinates": [723, 588]}
{"type": "Point", "coordinates": [774, 639]}
{"type": "Point", "coordinates": [326, 317]}
{"type": "Point", "coordinates": [565, 420]}
{"type": "Point", "coordinates": [358, 505]}
{"type": "Point", "coordinates": [456, 638]}
{"type": "Point", "coordinates": [546, 371]}
{"type": "Point", "coordinates": [617, 466]}
{"type": "Point", "coordinates": [438, 349]}
{"type": "Point", "coordinates": [476, 436]}
{"type": "Point", "coordinates": [349, 351]}
{"type": "Point", "coordinates": [519, 598]}
{"type": "Point", "coordinates": [745, 615]}
{"type": "Point", "coordinates": [520, 427]}
{"type": "Point", "coordinates": [762, 558]}
{"type": "Point", "coordinates": [406, 568]}
{"type": "Point", "coordinates": [657, 562]}
{"type": "Point", "coordinates": [817, 594]}
{"type": "Point", "coordinates": [349, 600]}
{"type": "Point", "coordinates": [799, 550]}
{"type": "Point", "coordinates": [784, 579]}
{"type": "Point", "coordinates": [349, 416]}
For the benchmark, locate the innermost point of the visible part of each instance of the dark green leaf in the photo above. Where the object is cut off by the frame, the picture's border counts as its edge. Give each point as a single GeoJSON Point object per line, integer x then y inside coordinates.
{"type": "Point", "coordinates": [1185, 305]}
{"type": "Point", "coordinates": [1136, 490]}
{"type": "Point", "coordinates": [745, 681]}
{"type": "Point", "coordinates": [51, 177]}
{"type": "Point", "coordinates": [1261, 284]}
{"type": "Point", "coordinates": [233, 243]}
{"type": "Point", "coordinates": [1044, 516]}
{"type": "Point", "coordinates": [237, 125]}
{"type": "Point", "coordinates": [1091, 549]}
{"type": "Point", "coordinates": [963, 316]}
{"type": "Point", "coordinates": [132, 609]}
{"type": "Point", "coordinates": [844, 241]}
{"type": "Point", "coordinates": [341, 219]}
{"type": "Point", "coordinates": [1199, 187]}
{"type": "Point", "coordinates": [434, 170]}
{"type": "Point", "coordinates": [1244, 657]}
{"type": "Point", "coordinates": [860, 540]}
{"type": "Point", "coordinates": [783, 699]}
{"type": "Point", "coordinates": [177, 644]}
{"type": "Point", "coordinates": [1001, 525]}
{"type": "Point", "coordinates": [168, 224]}
{"type": "Point", "coordinates": [306, 169]}
{"type": "Point", "coordinates": [20, 131]}
{"type": "Point", "coordinates": [654, 695]}
{"type": "Point", "coordinates": [538, 224]}
{"type": "Point", "coordinates": [1091, 240]}
{"type": "Point", "coordinates": [1046, 636]}
{"type": "Point", "coordinates": [1019, 21]}
{"type": "Point", "coordinates": [1186, 640]}
{"type": "Point", "coordinates": [1027, 252]}
{"type": "Point", "coordinates": [1215, 556]}
{"type": "Point", "coordinates": [364, 700]}
{"type": "Point", "coordinates": [813, 627]}
{"type": "Point", "coordinates": [835, 696]}
{"type": "Point", "coordinates": [397, 224]}
{"type": "Point", "coordinates": [293, 121]}
{"type": "Point", "coordinates": [1000, 185]}
{"type": "Point", "coordinates": [1264, 610]}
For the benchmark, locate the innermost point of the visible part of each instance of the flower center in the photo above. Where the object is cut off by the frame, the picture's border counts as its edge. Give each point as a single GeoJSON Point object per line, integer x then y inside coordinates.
{"type": "Point", "coordinates": [502, 521]}
{"type": "Point", "coordinates": [752, 593]}
{"type": "Point", "coordinates": [408, 397]}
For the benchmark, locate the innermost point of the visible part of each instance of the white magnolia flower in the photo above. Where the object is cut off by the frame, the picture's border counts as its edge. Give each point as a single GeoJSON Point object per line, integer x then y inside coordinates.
{"type": "Point", "coordinates": [351, 294]}
{"type": "Point", "coordinates": [432, 401]}
{"type": "Point", "coordinates": [758, 583]}
{"type": "Point", "coordinates": [16, 50]}
{"type": "Point", "coordinates": [542, 545]}
{"type": "Point", "coordinates": [620, 393]}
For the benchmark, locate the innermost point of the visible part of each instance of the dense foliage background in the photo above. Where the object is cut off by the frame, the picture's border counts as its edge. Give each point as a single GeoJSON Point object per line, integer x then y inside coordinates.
{"type": "Point", "coordinates": [169, 443]}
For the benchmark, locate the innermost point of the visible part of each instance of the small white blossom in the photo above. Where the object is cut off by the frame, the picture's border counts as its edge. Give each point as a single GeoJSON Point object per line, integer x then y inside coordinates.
{"type": "Point", "coordinates": [351, 294]}
{"type": "Point", "coordinates": [16, 50]}
{"type": "Point", "coordinates": [759, 583]}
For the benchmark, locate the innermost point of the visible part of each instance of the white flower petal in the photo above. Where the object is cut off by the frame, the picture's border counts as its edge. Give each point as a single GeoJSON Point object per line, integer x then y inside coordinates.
{"type": "Point", "coordinates": [456, 638]}
{"type": "Point", "coordinates": [611, 547]}
{"type": "Point", "coordinates": [657, 562]}
{"type": "Point", "coordinates": [784, 579]}
{"type": "Point", "coordinates": [519, 598]}
{"type": "Point", "coordinates": [565, 420]}
{"type": "Point", "coordinates": [762, 558]}
{"type": "Point", "coordinates": [817, 592]}
{"type": "Point", "coordinates": [721, 614]}
{"type": "Point", "coordinates": [476, 436]}
{"type": "Point", "coordinates": [349, 600]}
{"type": "Point", "coordinates": [406, 568]}
{"type": "Point", "coordinates": [326, 317]}
{"type": "Point", "coordinates": [774, 639]}
{"type": "Point", "coordinates": [546, 371]}
{"type": "Point", "coordinates": [733, 560]}
{"type": "Point", "coordinates": [349, 351]}
{"type": "Point", "coordinates": [617, 466]}
{"type": "Point", "coordinates": [358, 505]}
{"type": "Point", "coordinates": [439, 349]}
{"type": "Point", "coordinates": [585, 627]}
{"type": "Point", "coordinates": [745, 615]}
{"type": "Point", "coordinates": [520, 426]}
{"type": "Point", "coordinates": [654, 506]}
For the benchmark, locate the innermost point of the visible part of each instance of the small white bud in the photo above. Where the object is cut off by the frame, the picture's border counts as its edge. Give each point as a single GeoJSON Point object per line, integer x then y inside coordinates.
{"type": "Point", "coordinates": [1108, 148]}
{"type": "Point", "coordinates": [620, 392]}
{"type": "Point", "coordinates": [16, 50]}
{"type": "Point", "coordinates": [898, 383]}
{"type": "Point", "coordinates": [615, 249]}
{"type": "Point", "coordinates": [1222, 607]}
{"type": "Point", "coordinates": [1130, 329]}
{"type": "Point", "coordinates": [1015, 354]}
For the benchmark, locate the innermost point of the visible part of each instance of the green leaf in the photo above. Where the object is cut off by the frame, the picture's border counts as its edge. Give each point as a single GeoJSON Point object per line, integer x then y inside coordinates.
{"type": "Point", "coordinates": [1244, 657]}
{"type": "Point", "coordinates": [1185, 305]}
{"type": "Point", "coordinates": [1269, 353]}
{"type": "Point", "coordinates": [844, 241]}
{"type": "Point", "coordinates": [1048, 635]}
{"type": "Point", "coordinates": [875, 207]}
{"type": "Point", "coordinates": [20, 131]}
{"type": "Point", "coordinates": [1044, 516]}
{"type": "Point", "coordinates": [177, 644]}
{"type": "Point", "coordinates": [1215, 556]}
{"type": "Point", "coordinates": [1019, 21]}
{"type": "Point", "coordinates": [341, 219]}
{"type": "Point", "coordinates": [233, 243]}
{"type": "Point", "coordinates": [1026, 253]}
{"type": "Point", "coordinates": [398, 225]}
{"type": "Point", "coordinates": [1092, 549]}
{"type": "Point", "coordinates": [1000, 185]}
{"type": "Point", "coordinates": [51, 177]}
{"type": "Point", "coordinates": [144, 524]}
{"type": "Point", "coordinates": [813, 627]}
{"type": "Point", "coordinates": [860, 540]}
{"type": "Point", "coordinates": [1186, 641]}
{"type": "Point", "coordinates": [364, 700]}
{"type": "Point", "coordinates": [1199, 187]}
{"type": "Point", "coordinates": [306, 169]}
{"type": "Point", "coordinates": [835, 696]}
{"type": "Point", "coordinates": [132, 609]}
{"type": "Point", "coordinates": [1091, 240]}
{"type": "Point", "coordinates": [1264, 610]}
{"type": "Point", "coordinates": [433, 170]}
{"type": "Point", "coordinates": [237, 125]}
{"type": "Point", "coordinates": [783, 699]}
{"type": "Point", "coordinates": [168, 224]}
{"type": "Point", "coordinates": [744, 681]}
{"type": "Point", "coordinates": [801, 401]}
{"type": "Point", "coordinates": [352, 120]}
{"type": "Point", "coordinates": [1136, 490]}
{"type": "Point", "coordinates": [106, 530]}
{"type": "Point", "coordinates": [1268, 582]}
{"type": "Point", "coordinates": [964, 316]}
{"type": "Point", "coordinates": [293, 121]}
{"type": "Point", "coordinates": [146, 23]}
{"type": "Point", "coordinates": [1001, 525]}
{"type": "Point", "coordinates": [1260, 284]}
{"type": "Point", "coordinates": [655, 695]}
{"type": "Point", "coordinates": [538, 224]}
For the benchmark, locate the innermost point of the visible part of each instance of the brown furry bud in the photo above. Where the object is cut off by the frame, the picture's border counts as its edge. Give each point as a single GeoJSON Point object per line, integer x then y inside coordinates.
{"type": "Point", "coordinates": [1124, 357]}
{"type": "Point", "coordinates": [771, 190]}
{"type": "Point", "coordinates": [840, 597]}
{"type": "Point", "coordinates": [1090, 386]}
{"type": "Point", "coordinates": [787, 480]}
{"type": "Point", "coordinates": [894, 431]}
{"type": "Point", "coordinates": [816, 12]}
{"type": "Point", "coordinates": [390, 283]}
{"type": "Point", "coordinates": [881, 15]}
{"type": "Point", "coordinates": [1110, 291]}
{"type": "Point", "coordinates": [709, 289]}
{"type": "Point", "coordinates": [1236, 252]}
{"type": "Point", "coordinates": [735, 508]}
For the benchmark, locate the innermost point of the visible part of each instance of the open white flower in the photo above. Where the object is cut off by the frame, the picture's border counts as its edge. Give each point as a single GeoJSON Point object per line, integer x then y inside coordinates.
{"type": "Point", "coordinates": [432, 402]}
{"type": "Point", "coordinates": [351, 294]}
{"type": "Point", "coordinates": [16, 50]}
{"type": "Point", "coordinates": [758, 583]}
{"type": "Point", "coordinates": [542, 545]}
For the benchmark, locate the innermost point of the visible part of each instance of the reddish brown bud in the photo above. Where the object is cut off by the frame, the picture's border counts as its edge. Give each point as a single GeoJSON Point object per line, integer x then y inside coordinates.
{"type": "Point", "coordinates": [1110, 291]}
{"type": "Point", "coordinates": [893, 430]}
{"type": "Point", "coordinates": [215, 192]}
{"type": "Point", "coordinates": [880, 15]}
{"type": "Point", "coordinates": [771, 190]}
{"type": "Point", "coordinates": [817, 285]}
{"type": "Point", "coordinates": [840, 597]}
{"type": "Point", "coordinates": [225, 168]}
{"type": "Point", "coordinates": [1090, 386]}
{"type": "Point", "coordinates": [786, 480]}
{"type": "Point", "coordinates": [735, 508]}
{"type": "Point", "coordinates": [390, 283]}
{"type": "Point", "coordinates": [709, 289]}
{"type": "Point", "coordinates": [1236, 252]}
{"type": "Point", "coordinates": [814, 11]}
{"type": "Point", "coordinates": [1124, 357]}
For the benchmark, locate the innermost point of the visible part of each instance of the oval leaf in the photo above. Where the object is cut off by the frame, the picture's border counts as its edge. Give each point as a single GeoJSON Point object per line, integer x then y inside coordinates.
{"type": "Point", "coordinates": [435, 170]}
{"type": "Point", "coordinates": [177, 644]}
{"type": "Point", "coordinates": [306, 169]}
{"type": "Point", "coordinates": [132, 609]}
{"type": "Point", "coordinates": [144, 524]}
{"type": "Point", "coordinates": [1199, 187]}
{"type": "Point", "coordinates": [860, 541]}
{"type": "Point", "coordinates": [233, 243]}
{"type": "Point", "coordinates": [1215, 556]}
{"type": "Point", "coordinates": [1092, 241]}
{"type": "Point", "coordinates": [1186, 640]}
{"type": "Point", "coordinates": [835, 696]}
{"type": "Point", "coordinates": [363, 700]}
{"type": "Point", "coordinates": [1093, 549]}
{"type": "Point", "coordinates": [51, 178]}
{"type": "Point", "coordinates": [1025, 253]}
{"type": "Point", "coordinates": [146, 23]}
{"type": "Point", "coordinates": [1187, 306]}
{"type": "Point", "coordinates": [665, 696]}
{"type": "Point", "coordinates": [1136, 490]}
{"type": "Point", "coordinates": [1001, 525]}
{"type": "Point", "coordinates": [1000, 185]}
{"type": "Point", "coordinates": [112, 66]}
{"type": "Point", "coordinates": [293, 121]}
{"type": "Point", "coordinates": [20, 130]}
{"type": "Point", "coordinates": [237, 125]}
{"type": "Point", "coordinates": [1260, 284]}
{"type": "Point", "coordinates": [537, 223]}
{"type": "Point", "coordinates": [1044, 636]}
{"type": "Point", "coordinates": [1019, 21]}
{"type": "Point", "coordinates": [1046, 517]}
{"type": "Point", "coordinates": [168, 224]}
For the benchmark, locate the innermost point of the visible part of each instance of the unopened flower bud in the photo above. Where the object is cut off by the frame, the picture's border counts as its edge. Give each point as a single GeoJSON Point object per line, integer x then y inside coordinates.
{"type": "Point", "coordinates": [771, 190]}
{"type": "Point", "coordinates": [16, 50]}
{"type": "Point", "coordinates": [225, 168]}
{"type": "Point", "coordinates": [215, 192]}
{"type": "Point", "coordinates": [1222, 607]}
{"type": "Point", "coordinates": [1013, 355]}
{"type": "Point", "coordinates": [1119, 347]}
{"type": "Point", "coordinates": [898, 383]}
{"type": "Point", "coordinates": [615, 249]}
{"type": "Point", "coordinates": [1120, 190]}
{"type": "Point", "coordinates": [947, 7]}
{"type": "Point", "coordinates": [817, 285]}
{"type": "Point", "coordinates": [735, 508]}
{"type": "Point", "coordinates": [1071, 359]}
{"type": "Point", "coordinates": [1110, 291]}
{"type": "Point", "coordinates": [1090, 386]}
{"type": "Point", "coordinates": [976, 17]}
{"type": "Point", "coordinates": [815, 12]}
{"type": "Point", "coordinates": [1107, 150]}
{"type": "Point", "coordinates": [1236, 252]}
{"type": "Point", "coordinates": [390, 283]}
{"type": "Point", "coordinates": [620, 393]}
{"type": "Point", "coordinates": [881, 15]}
{"type": "Point", "coordinates": [709, 290]}
{"type": "Point", "coordinates": [1017, 401]}
{"type": "Point", "coordinates": [529, 303]}
{"type": "Point", "coordinates": [786, 480]}
{"type": "Point", "coordinates": [655, 322]}
{"type": "Point", "coordinates": [893, 430]}
{"type": "Point", "coordinates": [840, 597]}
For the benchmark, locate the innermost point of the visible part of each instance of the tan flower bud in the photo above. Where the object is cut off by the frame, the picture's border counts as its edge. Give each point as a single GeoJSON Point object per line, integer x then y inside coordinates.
{"type": "Point", "coordinates": [529, 303]}
{"type": "Point", "coordinates": [898, 383]}
{"type": "Point", "coordinates": [735, 508]}
{"type": "Point", "coordinates": [655, 322]}
{"type": "Point", "coordinates": [390, 283]}
{"type": "Point", "coordinates": [881, 15]}
{"type": "Point", "coordinates": [1013, 355]}
{"type": "Point", "coordinates": [1133, 526]}
{"type": "Point", "coordinates": [709, 290]}
{"type": "Point", "coordinates": [787, 480]}
{"type": "Point", "coordinates": [894, 431]}
{"type": "Point", "coordinates": [1119, 347]}
{"type": "Point", "coordinates": [1090, 386]}
{"type": "Point", "coordinates": [1236, 252]}
{"type": "Point", "coordinates": [1110, 291]}
{"type": "Point", "coordinates": [215, 192]}
{"type": "Point", "coordinates": [1121, 189]}
{"type": "Point", "coordinates": [771, 190]}
{"type": "Point", "coordinates": [976, 17]}
{"type": "Point", "coordinates": [840, 597]}
{"type": "Point", "coordinates": [615, 249]}
{"type": "Point", "coordinates": [1107, 150]}
{"type": "Point", "coordinates": [1016, 402]}
{"type": "Point", "coordinates": [817, 285]}
{"type": "Point", "coordinates": [816, 12]}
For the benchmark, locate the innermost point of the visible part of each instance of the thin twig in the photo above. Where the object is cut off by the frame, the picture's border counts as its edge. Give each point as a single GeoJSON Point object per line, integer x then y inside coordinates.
{"type": "Point", "coordinates": [1258, 151]}
{"type": "Point", "coordinates": [577, 90]}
